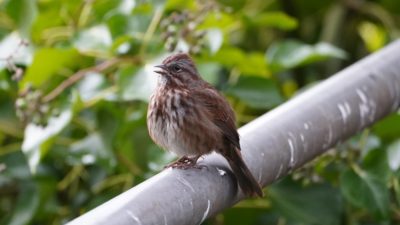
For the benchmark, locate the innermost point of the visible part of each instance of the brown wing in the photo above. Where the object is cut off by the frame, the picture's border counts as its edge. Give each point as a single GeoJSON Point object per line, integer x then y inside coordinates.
{"type": "Point", "coordinates": [222, 113]}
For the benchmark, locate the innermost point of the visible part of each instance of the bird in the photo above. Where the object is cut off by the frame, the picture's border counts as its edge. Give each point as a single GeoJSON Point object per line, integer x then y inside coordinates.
{"type": "Point", "coordinates": [190, 118]}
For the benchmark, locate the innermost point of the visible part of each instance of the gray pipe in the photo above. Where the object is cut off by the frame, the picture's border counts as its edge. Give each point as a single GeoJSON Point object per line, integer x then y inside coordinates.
{"type": "Point", "coordinates": [273, 145]}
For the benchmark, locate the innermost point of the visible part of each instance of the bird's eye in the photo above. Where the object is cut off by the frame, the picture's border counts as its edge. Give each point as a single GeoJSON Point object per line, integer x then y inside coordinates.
{"type": "Point", "coordinates": [176, 68]}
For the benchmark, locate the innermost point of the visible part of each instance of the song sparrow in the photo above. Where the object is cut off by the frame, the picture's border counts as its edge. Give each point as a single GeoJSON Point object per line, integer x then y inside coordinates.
{"type": "Point", "coordinates": [190, 118]}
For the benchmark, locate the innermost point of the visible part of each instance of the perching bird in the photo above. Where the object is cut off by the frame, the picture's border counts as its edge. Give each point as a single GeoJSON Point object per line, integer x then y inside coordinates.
{"type": "Point", "coordinates": [189, 117]}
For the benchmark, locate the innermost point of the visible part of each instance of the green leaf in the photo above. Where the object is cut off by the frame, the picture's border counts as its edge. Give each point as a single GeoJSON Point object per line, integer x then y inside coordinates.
{"type": "Point", "coordinates": [278, 20]}
{"type": "Point", "coordinates": [220, 20]}
{"type": "Point", "coordinates": [117, 24]}
{"type": "Point", "coordinates": [179, 4]}
{"type": "Point", "coordinates": [91, 150]}
{"type": "Point", "coordinates": [365, 191]}
{"type": "Point", "coordinates": [126, 45]}
{"type": "Point", "coordinates": [208, 72]}
{"type": "Point", "coordinates": [23, 12]}
{"type": "Point", "coordinates": [375, 163]}
{"type": "Point", "coordinates": [393, 155]}
{"type": "Point", "coordinates": [374, 36]}
{"type": "Point", "coordinates": [137, 85]}
{"type": "Point", "coordinates": [27, 204]}
{"type": "Point", "coordinates": [16, 167]}
{"type": "Point", "coordinates": [5, 81]}
{"type": "Point", "coordinates": [38, 139]}
{"type": "Point", "coordinates": [254, 65]}
{"type": "Point", "coordinates": [46, 63]}
{"type": "Point", "coordinates": [247, 63]}
{"type": "Point", "coordinates": [307, 205]}
{"type": "Point", "coordinates": [257, 92]}
{"type": "Point", "coordinates": [389, 128]}
{"type": "Point", "coordinates": [215, 39]}
{"type": "Point", "coordinates": [8, 46]}
{"type": "Point", "coordinates": [229, 56]}
{"type": "Point", "coordinates": [289, 54]}
{"type": "Point", "coordinates": [91, 85]}
{"type": "Point", "coordinates": [96, 39]}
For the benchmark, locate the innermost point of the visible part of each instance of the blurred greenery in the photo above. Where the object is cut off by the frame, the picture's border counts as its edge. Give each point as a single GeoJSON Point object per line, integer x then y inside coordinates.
{"type": "Point", "coordinates": [75, 78]}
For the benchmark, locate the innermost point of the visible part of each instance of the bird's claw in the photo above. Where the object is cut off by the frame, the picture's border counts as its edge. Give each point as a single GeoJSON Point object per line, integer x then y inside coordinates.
{"type": "Point", "coordinates": [185, 163]}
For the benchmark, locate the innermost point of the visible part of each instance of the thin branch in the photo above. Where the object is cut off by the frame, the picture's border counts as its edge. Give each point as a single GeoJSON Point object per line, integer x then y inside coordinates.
{"type": "Point", "coordinates": [79, 75]}
{"type": "Point", "coordinates": [151, 29]}
{"type": "Point", "coordinates": [10, 60]}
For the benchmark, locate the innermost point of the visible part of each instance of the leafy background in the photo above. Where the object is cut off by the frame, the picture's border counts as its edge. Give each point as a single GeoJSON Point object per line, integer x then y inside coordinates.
{"type": "Point", "coordinates": [75, 77]}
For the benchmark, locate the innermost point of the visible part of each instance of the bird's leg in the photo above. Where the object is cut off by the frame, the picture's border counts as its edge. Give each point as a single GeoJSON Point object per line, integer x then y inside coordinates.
{"type": "Point", "coordinates": [184, 162]}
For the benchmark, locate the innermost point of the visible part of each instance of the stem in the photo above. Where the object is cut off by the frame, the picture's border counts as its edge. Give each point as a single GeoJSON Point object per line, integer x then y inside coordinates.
{"type": "Point", "coordinates": [78, 76]}
{"type": "Point", "coordinates": [151, 29]}
{"type": "Point", "coordinates": [70, 177]}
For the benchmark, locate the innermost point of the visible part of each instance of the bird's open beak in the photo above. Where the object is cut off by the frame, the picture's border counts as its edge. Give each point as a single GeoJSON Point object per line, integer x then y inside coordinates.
{"type": "Point", "coordinates": [163, 69]}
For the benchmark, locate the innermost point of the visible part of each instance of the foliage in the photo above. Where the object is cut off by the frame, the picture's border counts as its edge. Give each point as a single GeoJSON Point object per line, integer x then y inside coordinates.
{"type": "Point", "coordinates": [75, 78]}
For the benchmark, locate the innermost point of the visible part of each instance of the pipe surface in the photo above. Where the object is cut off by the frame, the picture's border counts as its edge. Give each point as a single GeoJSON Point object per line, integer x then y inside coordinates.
{"type": "Point", "coordinates": [272, 146]}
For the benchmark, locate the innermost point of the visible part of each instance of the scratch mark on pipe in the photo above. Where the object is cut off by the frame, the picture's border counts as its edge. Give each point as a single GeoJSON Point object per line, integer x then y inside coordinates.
{"type": "Point", "coordinates": [396, 95]}
{"type": "Point", "coordinates": [304, 142]}
{"type": "Point", "coordinates": [372, 105]}
{"type": "Point", "coordinates": [165, 220]}
{"type": "Point", "coordinates": [328, 138]}
{"type": "Point", "coordinates": [330, 134]}
{"type": "Point", "coordinates": [363, 110]}
{"type": "Point", "coordinates": [279, 171]}
{"type": "Point", "coordinates": [135, 218]}
{"type": "Point", "coordinates": [361, 95]}
{"type": "Point", "coordinates": [347, 107]}
{"type": "Point", "coordinates": [206, 212]}
{"type": "Point", "coordinates": [291, 163]}
{"type": "Point", "coordinates": [363, 106]}
{"type": "Point", "coordinates": [221, 171]}
{"type": "Point", "coordinates": [345, 111]}
{"type": "Point", "coordinates": [186, 183]}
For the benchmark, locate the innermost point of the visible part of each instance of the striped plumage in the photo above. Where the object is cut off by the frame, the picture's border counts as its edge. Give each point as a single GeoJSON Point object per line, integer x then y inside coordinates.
{"type": "Point", "coordinates": [190, 118]}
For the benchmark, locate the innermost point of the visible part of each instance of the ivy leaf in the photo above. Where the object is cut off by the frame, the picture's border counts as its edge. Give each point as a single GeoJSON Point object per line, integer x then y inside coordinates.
{"type": "Point", "coordinates": [300, 203]}
{"type": "Point", "coordinates": [38, 139]}
{"type": "Point", "coordinates": [376, 163]}
{"type": "Point", "coordinates": [215, 39]}
{"type": "Point", "coordinates": [365, 191]}
{"type": "Point", "coordinates": [220, 20]}
{"type": "Point", "coordinates": [274, 19]}
{"type": "Point", "coordinates": [257, 92]}
{"type": "Point", "coordinates": [247, 63]}
{"type": "Point", "coordinates": [374, 36]}
{"type": "Point", "coordinates": [393, 155]}
{"type": "Point", "coordinates": [91, 85]}
{"type": "Point", "coordinates": [137, 85]}
{"type": "Point", "coordinates": [179, 4]}
{"type": "Point", "coordinates": [289, 54]}
{"type": "Point", "coordinates": [389, 128]}
{"type": "Point", "coordinates": [8, 46]}
{"type": "Point", "coordinates": [46, 63]}
{"type": "Point", "coordinates": [96, 39]}
{"type": "Point", "coordinates": [91, 150]}
{"type": "Point", "coordinates": [27, 204]}
{"type": "Point", "coordinates": [23, 12]}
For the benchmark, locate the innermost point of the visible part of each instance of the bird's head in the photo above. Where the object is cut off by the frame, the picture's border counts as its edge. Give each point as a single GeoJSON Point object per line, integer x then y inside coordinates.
{"type": "Point", "coordinates": [178, 69]}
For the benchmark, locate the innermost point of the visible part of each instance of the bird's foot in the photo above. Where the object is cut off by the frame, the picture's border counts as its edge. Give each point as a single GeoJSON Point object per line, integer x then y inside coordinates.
{"type": "Point", "coordinates": [185, 163]}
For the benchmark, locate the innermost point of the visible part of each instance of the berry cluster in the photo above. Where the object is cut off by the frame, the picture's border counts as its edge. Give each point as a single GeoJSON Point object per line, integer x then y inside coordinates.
{"type": "Point", "coordinates": [29, 107]}
{"type": "Point", "coordinates": [183, 26]}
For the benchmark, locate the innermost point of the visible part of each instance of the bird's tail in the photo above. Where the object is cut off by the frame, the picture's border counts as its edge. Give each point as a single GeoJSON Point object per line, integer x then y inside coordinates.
{"type": "Point", "coordinates": [246, 180]}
